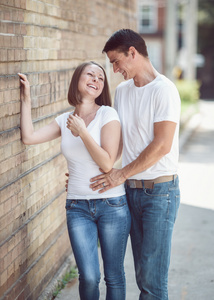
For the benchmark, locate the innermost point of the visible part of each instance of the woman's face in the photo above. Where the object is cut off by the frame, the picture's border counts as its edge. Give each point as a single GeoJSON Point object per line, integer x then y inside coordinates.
{"type": "Point", "coordinates": [91, 81]}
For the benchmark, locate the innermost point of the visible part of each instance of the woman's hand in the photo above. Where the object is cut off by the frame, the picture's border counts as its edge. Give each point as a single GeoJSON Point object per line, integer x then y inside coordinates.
{"type": "Point", "coordinates": [76, 125]}
{"type": "Point", "coordinates": [25, 88]}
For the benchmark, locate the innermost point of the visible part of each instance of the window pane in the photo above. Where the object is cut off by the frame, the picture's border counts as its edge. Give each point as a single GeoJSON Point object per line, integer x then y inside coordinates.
{"type": "Point", "coordinates": [145, 23]}
{"type": "Point", "coordinates": [145, 9]}
{"type": "Point", "coordinates": [148, 17]}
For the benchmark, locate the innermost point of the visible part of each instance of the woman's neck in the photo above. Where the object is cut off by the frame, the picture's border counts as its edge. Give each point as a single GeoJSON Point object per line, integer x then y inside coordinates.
{"type": "Point", "coordinates": [86, 108]}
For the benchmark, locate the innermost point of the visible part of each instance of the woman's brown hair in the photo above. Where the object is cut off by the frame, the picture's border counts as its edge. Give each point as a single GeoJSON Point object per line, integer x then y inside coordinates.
{"type": "Point", "coordinates": [73, 92]}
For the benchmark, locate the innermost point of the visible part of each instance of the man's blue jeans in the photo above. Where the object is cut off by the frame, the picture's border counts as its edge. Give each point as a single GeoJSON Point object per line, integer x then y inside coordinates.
{"type": "Point", "coordinates": [110, 221]}
{"type": "Point", "coordinates": [153, 214]}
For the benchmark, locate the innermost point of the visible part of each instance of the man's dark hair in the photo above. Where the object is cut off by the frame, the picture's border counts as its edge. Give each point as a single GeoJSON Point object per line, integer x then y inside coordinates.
{"type": "Point", "coordinates": [123, 39]}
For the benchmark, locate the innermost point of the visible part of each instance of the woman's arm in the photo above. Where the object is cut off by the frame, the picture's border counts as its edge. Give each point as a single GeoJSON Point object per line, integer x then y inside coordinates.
{"type": "Point", "coordinates": [106, 154]}
{"type": "Point", "coordinates": [120, 150]}
{"type": "Point", "coordinates": [29, 136]}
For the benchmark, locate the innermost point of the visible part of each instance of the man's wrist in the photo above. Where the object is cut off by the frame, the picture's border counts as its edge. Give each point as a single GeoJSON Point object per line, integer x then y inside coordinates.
{"type": "Point", "coordinates": [123, 174]}
{"type": "Point", "coordinates": [126, 172]}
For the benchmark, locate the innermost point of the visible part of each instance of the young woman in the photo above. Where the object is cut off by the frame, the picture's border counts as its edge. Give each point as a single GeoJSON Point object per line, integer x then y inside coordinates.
{"type": "Point", "coordinates": [90, 139]}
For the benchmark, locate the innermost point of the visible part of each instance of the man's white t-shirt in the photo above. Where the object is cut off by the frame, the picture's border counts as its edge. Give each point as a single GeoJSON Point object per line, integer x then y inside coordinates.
{"type": "Point", "coordinates": [81, 166]}
{"type": "Point", "coordinates": [138, 109]}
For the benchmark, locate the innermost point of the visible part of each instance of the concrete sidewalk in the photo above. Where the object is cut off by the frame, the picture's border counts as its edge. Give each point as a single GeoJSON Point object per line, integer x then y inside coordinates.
{"type": "Point", "coordinates": [191, 275]}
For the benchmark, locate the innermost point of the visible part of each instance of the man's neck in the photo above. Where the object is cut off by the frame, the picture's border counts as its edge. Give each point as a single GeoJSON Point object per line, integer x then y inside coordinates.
{"type": "Point", "coordinates": [145, 75]}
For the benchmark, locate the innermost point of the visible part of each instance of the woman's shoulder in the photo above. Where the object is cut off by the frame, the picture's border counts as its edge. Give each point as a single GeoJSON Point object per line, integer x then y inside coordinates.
{"type": "Point", "coordinates": [108, 113]}
{"type": "Point", "coordinates": [62, 118]}
{"type": "Point", "coordinates": [64, 115]}
{"type": "Point", "coordinates": [107, 109]}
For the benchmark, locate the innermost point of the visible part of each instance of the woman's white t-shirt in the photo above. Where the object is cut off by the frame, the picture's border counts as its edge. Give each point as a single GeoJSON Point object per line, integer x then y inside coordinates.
{"type": "Point", "coordinates": [81, 166]}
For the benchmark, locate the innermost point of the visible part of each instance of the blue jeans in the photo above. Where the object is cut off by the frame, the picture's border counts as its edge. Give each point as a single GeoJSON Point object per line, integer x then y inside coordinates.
{"type": "Point", "coordinates": [153, 213]}
{"type": "Point", "coordinates": [109, 221]}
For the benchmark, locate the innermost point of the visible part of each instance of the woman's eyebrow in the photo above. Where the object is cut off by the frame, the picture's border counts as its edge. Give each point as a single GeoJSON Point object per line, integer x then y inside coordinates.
{"type": "Point", "coordinates": [99, 74]}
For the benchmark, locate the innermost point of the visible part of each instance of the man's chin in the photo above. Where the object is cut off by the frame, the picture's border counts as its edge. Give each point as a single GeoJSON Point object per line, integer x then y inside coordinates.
{"type": "Point", "coordinates": [125, 76]}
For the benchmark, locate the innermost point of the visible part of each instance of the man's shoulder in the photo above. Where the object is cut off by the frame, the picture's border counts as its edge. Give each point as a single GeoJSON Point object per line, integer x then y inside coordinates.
{"type": "Point", "coordinates": [163, 82]}
{"type": "Point", "coordinates": [165, 89]}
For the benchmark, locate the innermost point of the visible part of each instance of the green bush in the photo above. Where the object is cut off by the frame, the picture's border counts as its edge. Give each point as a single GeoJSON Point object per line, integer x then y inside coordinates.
{"type": "Point", "coordinates": [188, 90]}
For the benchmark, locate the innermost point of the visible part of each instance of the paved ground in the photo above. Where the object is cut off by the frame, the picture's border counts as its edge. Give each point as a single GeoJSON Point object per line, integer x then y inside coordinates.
{"type": "Point", "coordinates": [191, 275]}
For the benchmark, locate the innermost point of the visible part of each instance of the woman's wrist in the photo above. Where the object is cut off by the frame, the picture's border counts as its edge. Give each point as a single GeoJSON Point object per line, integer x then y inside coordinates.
{"type": "Point", "coordinates": [26, 101]}
{"type": "Point", "coordinates": [83, 132]}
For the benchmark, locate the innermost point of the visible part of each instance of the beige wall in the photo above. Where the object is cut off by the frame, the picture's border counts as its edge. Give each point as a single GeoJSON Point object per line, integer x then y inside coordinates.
{"type": "Point", "coordinates": [46, 40]}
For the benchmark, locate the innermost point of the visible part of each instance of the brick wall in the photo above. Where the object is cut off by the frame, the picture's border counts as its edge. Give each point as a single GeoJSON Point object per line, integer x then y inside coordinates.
{"type": "Point", "coordinates": [46, 40]}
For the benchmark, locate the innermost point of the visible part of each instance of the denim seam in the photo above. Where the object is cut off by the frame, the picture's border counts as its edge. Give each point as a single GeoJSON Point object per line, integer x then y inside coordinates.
{"type": "Point", "coordinates": [122, 256]}
{"type": "Point", "coordinates": [118, 205]}
{"type": "Point", "coordinates": [176, 206]}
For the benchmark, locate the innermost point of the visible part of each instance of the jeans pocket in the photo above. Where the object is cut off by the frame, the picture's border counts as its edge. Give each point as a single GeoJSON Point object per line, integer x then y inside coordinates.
{"type": "Point", "coordinates": [70, 204]}
{"type": "Point", "coordinates": [116, 201]}
{"type": "Point", "coordinates": [154, 193]}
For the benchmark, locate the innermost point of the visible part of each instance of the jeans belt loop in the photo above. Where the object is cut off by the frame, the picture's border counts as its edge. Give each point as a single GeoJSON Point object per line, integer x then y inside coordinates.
{"type": "Point", "coordinates": [132, 184]}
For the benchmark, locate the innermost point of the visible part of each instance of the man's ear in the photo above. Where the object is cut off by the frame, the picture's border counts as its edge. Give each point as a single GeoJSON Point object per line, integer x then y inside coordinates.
{"type": "Point", "coordinates": [132, 51]}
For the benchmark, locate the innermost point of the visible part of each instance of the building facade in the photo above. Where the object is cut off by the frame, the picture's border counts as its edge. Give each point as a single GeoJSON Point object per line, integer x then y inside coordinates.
{"type": "Point", "coordinates": [151, 25]}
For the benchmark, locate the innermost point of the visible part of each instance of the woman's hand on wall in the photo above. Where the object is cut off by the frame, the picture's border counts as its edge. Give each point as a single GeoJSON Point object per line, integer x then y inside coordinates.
{"type": "Point", "coordinates": [25, 87]}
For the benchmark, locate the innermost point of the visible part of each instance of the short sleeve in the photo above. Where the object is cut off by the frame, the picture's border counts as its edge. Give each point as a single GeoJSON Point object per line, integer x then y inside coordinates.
{"type": "Point", "coordinates": [109, 114]}
{"type": "Point", "coordinates": [62, 119]}
{"type": "Point", "coordinates": [116, 100]}
{"type": "Point", "coordinates": [167, 105]}
{"type": "Point", "coordinates": [59, 120]}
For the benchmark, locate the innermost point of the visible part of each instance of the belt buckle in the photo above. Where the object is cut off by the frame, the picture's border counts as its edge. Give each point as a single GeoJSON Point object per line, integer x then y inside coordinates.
{"type": "Point", "coordinates": [132, 184]}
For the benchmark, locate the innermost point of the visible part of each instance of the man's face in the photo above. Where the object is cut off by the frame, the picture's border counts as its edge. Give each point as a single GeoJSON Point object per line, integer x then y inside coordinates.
{"type": "Point", "coordinates": [122, 63]}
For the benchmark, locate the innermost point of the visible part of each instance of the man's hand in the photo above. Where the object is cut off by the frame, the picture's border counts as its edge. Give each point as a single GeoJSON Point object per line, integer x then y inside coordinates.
{"type": "Point", "coordinates": [108, 180]}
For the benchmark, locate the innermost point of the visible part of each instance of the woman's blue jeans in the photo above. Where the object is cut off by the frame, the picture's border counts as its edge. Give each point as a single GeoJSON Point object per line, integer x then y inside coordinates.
{"type": "Point", "coordinates": [153, 213]}
{"type": "Point", "coordinates": [109, 221]}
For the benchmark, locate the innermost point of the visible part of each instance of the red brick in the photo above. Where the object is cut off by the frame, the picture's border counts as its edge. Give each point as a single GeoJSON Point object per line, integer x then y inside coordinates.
{"type": "Point", "coordinates": [17, 3]}
{"type": "Point", "coordinates": [3, 54]}
{"type": "Point", "coordinates": [3, 68]}
{"type": "Point", "coordinates": [3, 250]}
{"type": "Point", "coordinates": [10, 28]}
{"type": "Point", "coordinates": [11, 54]}
{"type": "Point", "coordinates": [1, 97]}
{"type": "Point", "coordinates": [3, 288]}
{"type": "Point", "coordinates": [14, 68]}
{"type": "Point", "coordinates": [26, 196]}
{"type": "Point", "coordinates": [23, 4]}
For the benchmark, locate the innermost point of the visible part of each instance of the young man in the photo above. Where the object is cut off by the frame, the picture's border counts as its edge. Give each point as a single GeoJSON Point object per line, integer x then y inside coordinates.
{"type": "Point", "coordinates": [148, 105]}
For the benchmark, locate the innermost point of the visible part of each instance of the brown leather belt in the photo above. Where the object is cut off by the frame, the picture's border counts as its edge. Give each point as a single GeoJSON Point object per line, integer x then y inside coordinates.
{"type": "Point", "coordinates": [148, 184]}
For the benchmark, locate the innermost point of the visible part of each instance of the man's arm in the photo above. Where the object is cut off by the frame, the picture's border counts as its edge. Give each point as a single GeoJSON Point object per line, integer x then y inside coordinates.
{"type": "Point", "coordinates": [159, 147]}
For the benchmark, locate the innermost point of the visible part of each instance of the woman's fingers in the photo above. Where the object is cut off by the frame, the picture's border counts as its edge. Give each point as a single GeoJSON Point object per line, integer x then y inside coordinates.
{"type": "Point", "coordinates": [25, 87]}
{"type": "Point", "coordinates": [23, 77]}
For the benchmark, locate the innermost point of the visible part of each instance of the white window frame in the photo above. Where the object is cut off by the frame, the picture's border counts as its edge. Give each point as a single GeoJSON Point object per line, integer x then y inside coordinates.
{"type": "Point", "coordinates": [151, 15]}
